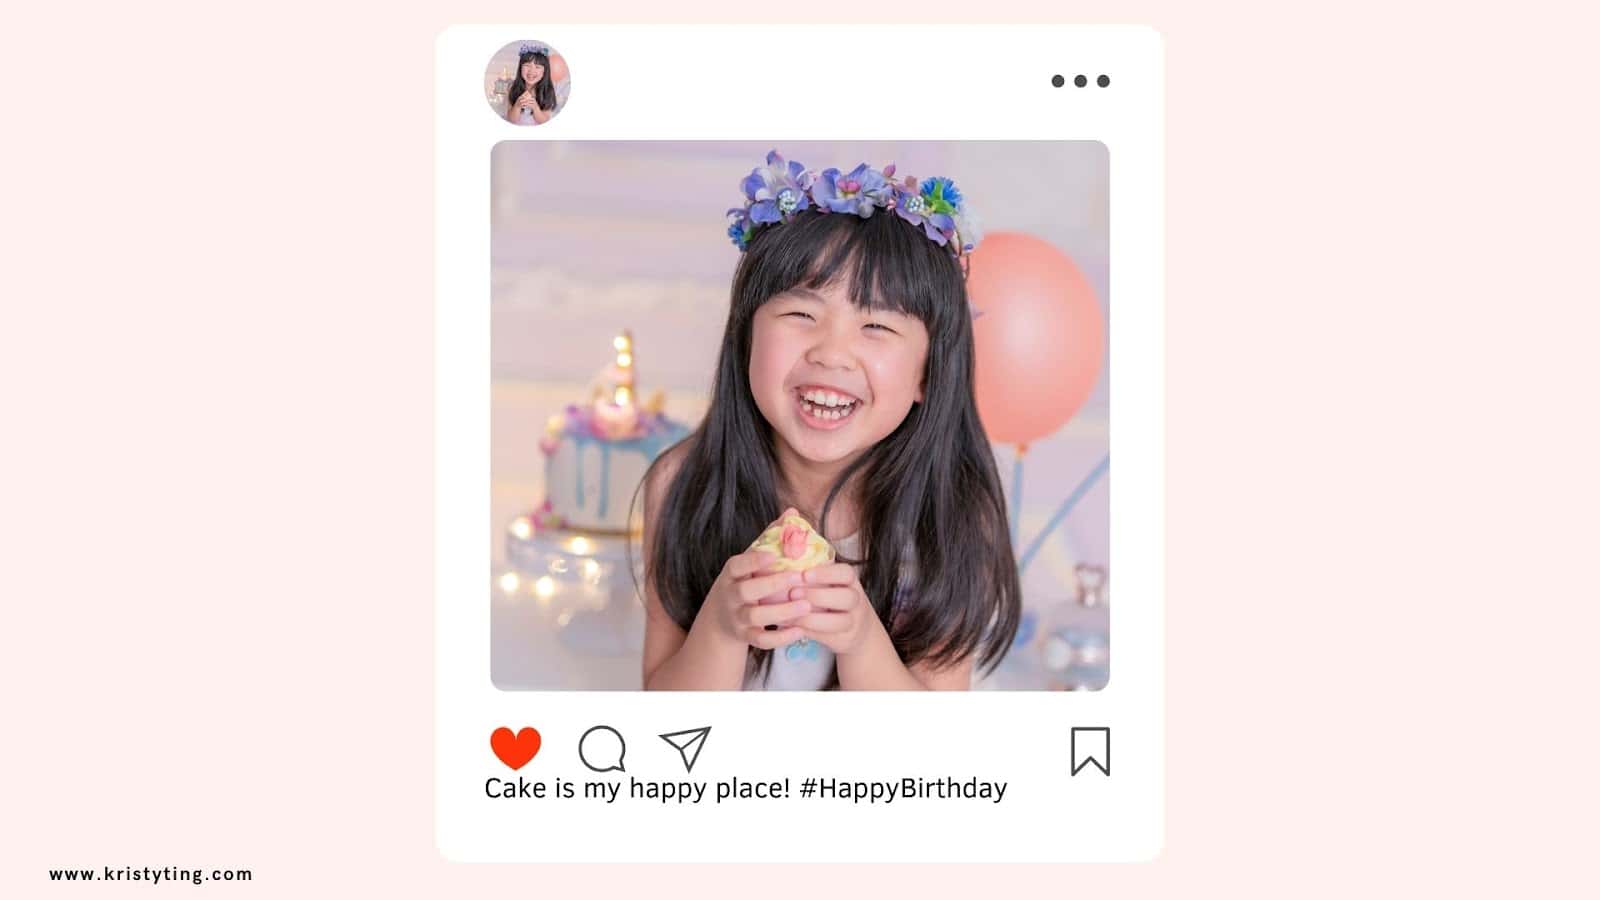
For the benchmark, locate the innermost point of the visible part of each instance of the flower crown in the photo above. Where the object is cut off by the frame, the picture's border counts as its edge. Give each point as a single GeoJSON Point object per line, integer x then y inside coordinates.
{"type": "Point", "coordinates": [779, 190]}
{"type": "Point", "coordinates": [534, 48]}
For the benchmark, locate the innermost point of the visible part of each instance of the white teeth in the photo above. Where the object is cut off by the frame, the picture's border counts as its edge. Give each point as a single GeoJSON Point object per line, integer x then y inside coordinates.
{"type": "Point", "coordinates": [819, 411]}
{"type": "Point", "coordinates": [826, 398]}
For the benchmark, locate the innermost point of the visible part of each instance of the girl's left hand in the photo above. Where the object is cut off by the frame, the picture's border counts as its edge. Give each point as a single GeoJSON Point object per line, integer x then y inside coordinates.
{"type": "Point", "coordinates": [842, 615]}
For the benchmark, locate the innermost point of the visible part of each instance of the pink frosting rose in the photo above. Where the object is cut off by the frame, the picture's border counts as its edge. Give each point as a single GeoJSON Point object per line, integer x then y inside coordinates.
{"type": "Point", "coordinates": [793, 541]}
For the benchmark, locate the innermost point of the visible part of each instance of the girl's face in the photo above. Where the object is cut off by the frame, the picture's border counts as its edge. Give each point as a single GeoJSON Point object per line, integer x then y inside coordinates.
{"type": "Point", "coordinates": [532, 71]}
{"type": "Point", "coordinates": [831, 379]}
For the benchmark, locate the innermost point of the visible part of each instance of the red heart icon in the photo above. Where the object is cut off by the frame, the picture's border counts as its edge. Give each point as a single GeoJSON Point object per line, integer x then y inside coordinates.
{"type": "Point", "coordinates": [515, 750]}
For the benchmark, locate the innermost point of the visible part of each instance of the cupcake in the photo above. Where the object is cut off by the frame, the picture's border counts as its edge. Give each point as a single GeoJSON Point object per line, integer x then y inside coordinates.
{"type": "Point", "coordinates": [799, 547]}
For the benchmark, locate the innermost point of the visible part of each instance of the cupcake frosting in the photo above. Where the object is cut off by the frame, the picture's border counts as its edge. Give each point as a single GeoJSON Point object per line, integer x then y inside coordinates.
{"type": "Point", "coordinates": [797, 544]}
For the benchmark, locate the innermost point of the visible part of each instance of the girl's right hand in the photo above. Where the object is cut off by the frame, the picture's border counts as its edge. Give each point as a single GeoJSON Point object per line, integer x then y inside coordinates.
{"type": "Point", "coordinates": [734, 601]}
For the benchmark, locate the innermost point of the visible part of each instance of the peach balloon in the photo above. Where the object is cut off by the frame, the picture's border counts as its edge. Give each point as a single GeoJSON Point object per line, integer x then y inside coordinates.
{"type": "Point", "coordinates": [558, 67]}
{"type": "Point", "coordinates": [1040, 337]}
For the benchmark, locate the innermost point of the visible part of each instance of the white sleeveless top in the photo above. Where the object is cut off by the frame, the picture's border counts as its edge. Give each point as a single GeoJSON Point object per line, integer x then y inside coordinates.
{"type": "Point", "coordinates": [801, 667]}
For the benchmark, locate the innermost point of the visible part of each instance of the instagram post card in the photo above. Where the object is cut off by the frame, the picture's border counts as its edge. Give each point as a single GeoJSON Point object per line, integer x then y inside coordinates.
{"type": "Point", "coordinates": [776, 518]}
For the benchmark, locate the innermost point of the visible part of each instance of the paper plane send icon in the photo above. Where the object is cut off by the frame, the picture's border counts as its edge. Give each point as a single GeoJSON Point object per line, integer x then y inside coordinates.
{"type": "Point", "coordinates": [688, 743]}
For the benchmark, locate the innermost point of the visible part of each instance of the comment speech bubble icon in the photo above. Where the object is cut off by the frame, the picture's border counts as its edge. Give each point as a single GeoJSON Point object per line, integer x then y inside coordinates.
{"type": "Point", "coordinates": [601, 749]}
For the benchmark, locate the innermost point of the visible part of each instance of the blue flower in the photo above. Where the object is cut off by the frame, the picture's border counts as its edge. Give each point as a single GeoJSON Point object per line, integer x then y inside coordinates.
{"type": "Point", "coordinates": [739, 230]}
{"type": "Point", "coordinates": [942, 193]}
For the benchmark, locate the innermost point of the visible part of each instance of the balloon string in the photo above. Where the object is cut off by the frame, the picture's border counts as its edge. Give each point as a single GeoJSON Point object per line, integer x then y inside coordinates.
{"type": "Point", "coordinates": [1061, 511]}
{"type": "Point", "coordinates": [1016, 499]}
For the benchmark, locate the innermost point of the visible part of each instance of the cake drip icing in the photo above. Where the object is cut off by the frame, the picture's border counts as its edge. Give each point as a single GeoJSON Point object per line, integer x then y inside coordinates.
{"type": "Point", "coordinates": [653, 434]}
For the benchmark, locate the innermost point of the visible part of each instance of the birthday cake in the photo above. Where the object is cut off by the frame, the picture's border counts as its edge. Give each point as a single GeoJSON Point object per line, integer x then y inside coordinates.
{"type": "Point", "coordinates": [596, 454]}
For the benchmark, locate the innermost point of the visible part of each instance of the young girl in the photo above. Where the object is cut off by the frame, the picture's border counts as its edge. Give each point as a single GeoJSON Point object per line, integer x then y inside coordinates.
{"type": "Point", "coordinates": [843, 391]}
{"type": "Point", "coordinates": [532, 98]}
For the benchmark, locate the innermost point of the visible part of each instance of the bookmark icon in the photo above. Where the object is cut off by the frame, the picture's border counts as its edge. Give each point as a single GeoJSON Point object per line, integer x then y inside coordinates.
{"type": "Point", "coordinates": [688, 743]}
{"type": "Point", "coordinates": [1091, 747]}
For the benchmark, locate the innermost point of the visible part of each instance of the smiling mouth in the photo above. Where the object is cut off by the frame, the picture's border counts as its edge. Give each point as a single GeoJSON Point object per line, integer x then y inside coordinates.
{"type": "Point", "coordinates": [825, 409]}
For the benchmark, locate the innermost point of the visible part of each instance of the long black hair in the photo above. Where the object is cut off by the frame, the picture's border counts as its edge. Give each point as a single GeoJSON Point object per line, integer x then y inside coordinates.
{"type": "Point", "coordinates": [544, 92]}
{"type": "Point", "coordinates": [929, 491]}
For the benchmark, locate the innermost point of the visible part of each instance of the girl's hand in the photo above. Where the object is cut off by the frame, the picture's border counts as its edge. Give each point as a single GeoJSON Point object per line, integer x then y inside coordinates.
{"type": "Point", "coordinates": [734, 601]}
{"type": "Point", "coordinates": [843, 617]}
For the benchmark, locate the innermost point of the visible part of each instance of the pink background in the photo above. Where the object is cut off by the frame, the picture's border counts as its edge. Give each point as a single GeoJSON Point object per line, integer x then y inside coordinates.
{"type": "Point", "coordinates": [217, 456]}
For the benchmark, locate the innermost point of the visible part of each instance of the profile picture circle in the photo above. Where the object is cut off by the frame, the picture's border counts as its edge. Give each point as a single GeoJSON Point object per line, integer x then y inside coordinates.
{"type": "Point", "coordinates": [527, 82]}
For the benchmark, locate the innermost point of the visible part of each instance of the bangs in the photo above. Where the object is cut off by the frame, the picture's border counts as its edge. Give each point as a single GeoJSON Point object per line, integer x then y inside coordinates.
{"type": "Point", "coordinates": [887, 263]}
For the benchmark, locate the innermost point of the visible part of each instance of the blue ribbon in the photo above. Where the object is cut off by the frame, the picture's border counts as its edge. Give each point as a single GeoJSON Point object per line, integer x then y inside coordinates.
{"type": "Point", "coordinates": [1061, 512]}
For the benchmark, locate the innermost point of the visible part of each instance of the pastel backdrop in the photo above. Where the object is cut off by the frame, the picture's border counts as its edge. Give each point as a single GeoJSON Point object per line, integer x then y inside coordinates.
{"type": "Point", "coordinates": [591, 238]}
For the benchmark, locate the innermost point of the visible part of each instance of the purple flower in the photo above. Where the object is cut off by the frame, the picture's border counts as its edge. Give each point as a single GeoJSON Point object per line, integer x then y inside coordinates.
{"type": "Point", "coordinates": [857, 192]}
{"type": "Point", "coordinates": [776, 190]}
{"type": "Point", "coordinates": [934, 204]}
{"type": "Point", "coordinates": [915, 208]}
